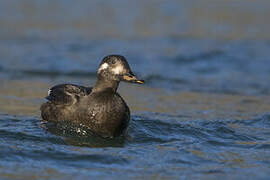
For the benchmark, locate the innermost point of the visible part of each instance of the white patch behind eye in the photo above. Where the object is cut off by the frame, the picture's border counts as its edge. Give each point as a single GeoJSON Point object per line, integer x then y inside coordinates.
{"type": "Point", "coordinates": [49, 92]}
{"type": "Point", "coordinates": [118, 69]}
{"type": "Point", "coordinates": [103, 66]}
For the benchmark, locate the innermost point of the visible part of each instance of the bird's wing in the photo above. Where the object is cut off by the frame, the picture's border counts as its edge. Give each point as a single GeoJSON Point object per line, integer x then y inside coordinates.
{"type": "Point", "coordinates": [67, 93]}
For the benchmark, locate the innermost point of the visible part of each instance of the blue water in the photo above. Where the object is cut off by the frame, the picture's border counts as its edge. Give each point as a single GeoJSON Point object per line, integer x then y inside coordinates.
{"type": "Point", "coordinates": [158, 146]}
{"type": "Point", "coordinates": [203, 113]}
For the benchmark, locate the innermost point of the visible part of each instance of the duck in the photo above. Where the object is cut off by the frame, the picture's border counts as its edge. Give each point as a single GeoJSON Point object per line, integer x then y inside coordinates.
{"type": "Point", "coordinates": [100, 109]}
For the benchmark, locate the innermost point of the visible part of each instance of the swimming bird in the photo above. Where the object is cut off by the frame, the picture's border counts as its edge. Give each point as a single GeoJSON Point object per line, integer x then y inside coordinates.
{"type": "Point", "coordinates": [100, 109]}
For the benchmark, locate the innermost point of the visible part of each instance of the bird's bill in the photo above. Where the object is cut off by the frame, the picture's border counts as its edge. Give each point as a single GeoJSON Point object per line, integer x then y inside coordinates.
{"type": "Point", "coordinates": [132, 78]}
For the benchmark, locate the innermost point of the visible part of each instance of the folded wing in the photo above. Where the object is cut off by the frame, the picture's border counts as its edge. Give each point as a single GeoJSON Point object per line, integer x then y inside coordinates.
{"type": "Point", "coordinates": [67, 93]}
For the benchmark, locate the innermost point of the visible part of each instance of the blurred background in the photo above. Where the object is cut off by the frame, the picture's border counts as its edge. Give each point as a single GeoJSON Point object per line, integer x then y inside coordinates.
{"type": "Point", "coordinates": [195, 46]}
{"type": "Point", "coordinates": [201, 113]}
{"type": "Point", "coordinates": [231, 19]}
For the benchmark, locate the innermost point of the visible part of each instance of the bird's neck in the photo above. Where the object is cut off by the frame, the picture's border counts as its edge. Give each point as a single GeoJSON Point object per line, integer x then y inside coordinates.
{"type": "Point", "coordinates": [103, 84]}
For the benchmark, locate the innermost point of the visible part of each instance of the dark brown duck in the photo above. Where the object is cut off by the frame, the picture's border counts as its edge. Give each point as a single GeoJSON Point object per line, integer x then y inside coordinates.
{"type": "Point", "coordinates": [100, 108]}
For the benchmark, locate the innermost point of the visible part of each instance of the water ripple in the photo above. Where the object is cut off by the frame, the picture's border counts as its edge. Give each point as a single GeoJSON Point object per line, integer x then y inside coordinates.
{"type": "Point", "coordinates": [154, 140]}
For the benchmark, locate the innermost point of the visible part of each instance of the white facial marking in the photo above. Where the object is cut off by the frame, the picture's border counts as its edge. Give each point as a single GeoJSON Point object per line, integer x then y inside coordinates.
{"type": "Point", "coordinates": [103, 66]}
{"type": "Point", "coordinates": [118, 69]}
{"type": "Point", "coordinates": [49, 92]}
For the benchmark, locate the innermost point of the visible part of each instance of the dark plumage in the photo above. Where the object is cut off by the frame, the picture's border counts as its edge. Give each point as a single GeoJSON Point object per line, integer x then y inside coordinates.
{"type": "Point", "coordinates": [100, 109]}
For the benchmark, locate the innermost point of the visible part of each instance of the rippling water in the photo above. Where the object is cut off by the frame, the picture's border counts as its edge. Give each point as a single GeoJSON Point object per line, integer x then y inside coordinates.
{"type": "Point", "coordinates": [204, 112]}
{"type": "Point", "coordinates": [158, 146]}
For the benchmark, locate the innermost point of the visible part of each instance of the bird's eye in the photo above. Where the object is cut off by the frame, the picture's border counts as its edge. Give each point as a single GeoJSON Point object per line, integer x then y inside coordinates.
{"type": "Point", "coordinates": [113, 61]}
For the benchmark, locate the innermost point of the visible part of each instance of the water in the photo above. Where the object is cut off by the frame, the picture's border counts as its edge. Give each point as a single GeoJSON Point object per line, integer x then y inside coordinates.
{"type": "Point", "coordinates": [159, 146]}
{"type": "Point", "coordinates": [204, 112]}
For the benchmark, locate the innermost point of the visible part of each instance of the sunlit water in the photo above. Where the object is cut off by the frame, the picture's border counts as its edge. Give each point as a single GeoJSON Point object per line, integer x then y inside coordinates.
{"type": "Point", "coordinates": [204, 112]}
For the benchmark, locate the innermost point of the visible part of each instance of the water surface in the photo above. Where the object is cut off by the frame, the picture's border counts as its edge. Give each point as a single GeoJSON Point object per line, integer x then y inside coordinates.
{"type": "Point", "coordinates": [204, 112]}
